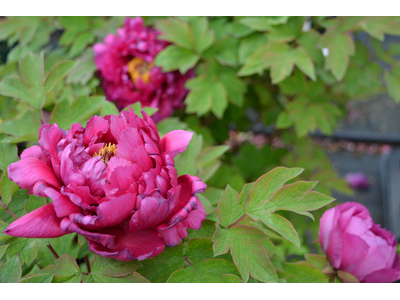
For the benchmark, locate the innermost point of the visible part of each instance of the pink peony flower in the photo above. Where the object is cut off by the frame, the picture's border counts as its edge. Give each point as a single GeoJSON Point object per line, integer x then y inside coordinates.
{"type": "Point", "coordinates": [113, 182]}
{"type": "Point", "coordinates": [355, 244]}
{"type": "Point", "coordinates": [125, 64]}
{"type": "Point", "coordinates": [357, 181]}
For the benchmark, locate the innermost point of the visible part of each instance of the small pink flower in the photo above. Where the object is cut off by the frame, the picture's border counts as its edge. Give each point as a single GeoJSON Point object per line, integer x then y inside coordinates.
{"type": "Point", "coordinates": [357, 181]}
{"type": "Point", "coordinates": [113, 182]}
{"type": "Point", "coordinates": [355, 244]}
{"type": "Point", "coordinates": [126, 65]}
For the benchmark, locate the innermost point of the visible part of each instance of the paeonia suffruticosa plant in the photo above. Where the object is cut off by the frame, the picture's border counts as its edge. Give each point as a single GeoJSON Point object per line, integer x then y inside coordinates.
{"type": "Point", "coordinates": [126, 156]}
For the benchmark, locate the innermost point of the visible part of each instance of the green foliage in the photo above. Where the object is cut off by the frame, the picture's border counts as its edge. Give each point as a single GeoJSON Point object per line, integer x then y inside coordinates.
{"type": "Point", "coordinates": [292, 74]}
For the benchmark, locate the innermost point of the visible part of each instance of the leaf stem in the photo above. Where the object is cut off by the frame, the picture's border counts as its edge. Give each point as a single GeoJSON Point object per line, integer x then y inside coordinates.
{"type": "Point", "coordinates": [87, 263]}
{"type": "Point", "coordinates": [53, 251]}
{"type": "Point", "coordinates": [189, 262]}
{"type": "Point", "coordinates": [7, 210]}
{"type": "Point", "coordinates": [43, 118]}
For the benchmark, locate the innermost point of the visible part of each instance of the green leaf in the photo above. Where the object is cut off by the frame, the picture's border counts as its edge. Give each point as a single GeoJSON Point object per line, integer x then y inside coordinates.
{"type": "Point", "coordinates": [27, 248]}
{"type": "Point", "coordinates": [80, 43]}
{"type": "Point", "coordinates": [65, 244]}
{"type": "Point", "coordinates": [109, 108]}
{"type": "Point", "coordinates": [32, 68]}
{"type": "Point", "coordinates": [174, 58]}
{"type": "Point", "coordinates": [184, 161]}
{"type": "Point", "coordinates": [57, 73]}
{"type": "Point", "coordinates": [341, 47]}
{"type": "Point", "coordinates": [168, 124]}
{"type": "Point", "coordinates": [202, 37]}
{"type": "Point", "coordinates": [256, 23]}
{"type": "Point", "coordinates": [14, 86]}
{"type": "Point", "coordinates": [304, 62]}
{"type": "Point", "coordinates": [250, 44]}
{"type": "Point", "coordinates": [7, 188]}
{"type": "Point", "coordinates": [38, 278]}
{"type": "Point", "coordinates": [137, 109]}
{"type": "Point", "coordinates": [16, 206]}
{"type": "Point", "coordinates": [229, 207]}
{"type": "Point", "coordinates": [83, 72]}
{"type": "Point", "coordinates": [8, 155]}
{"type": "Point", "coordinates": [159, 268]}
{"type": "Point", "coordinates": [302, 272]}
{"type": "Point", "coordinates": [393, 85]}
{"type": "Point", "coordinates": [11, 271]}
{"type": "Point", "coordinates": [268, 196]}
{"type": "Point", "coordinates": [234, 86]}
{"type": "Point", "coordinates": [206, 94]}
{"type": "Point", "coordinates": [3, 248]}
{"type": "Point", "coordinates": [247, 252]}
{"type": "Point", "coordinates": [34, 203]}
{"type": "Point", "coordinates": [25, 125]}
{"type": "Point", "coordinates": [65, 270]}
{"type": "Point", "coordinates": [347, 277]}
{"type": "Point", "coordinates": [109, 269]}
{"type": "Point", "coordinates": [175, 31]}
{"type": "Point", "coordinates": [318, 261]}
{"type": "Point", "coordinates": [211, 153]}
{"type": "Point", "coordinates": [66, 114]}
{"type": "Point", "coordinates": [267, 185]}
{"type": "Point", "coordinates": [208, 271]}
{"type": "Point", "coordinates": [206, 231]}
{"type": "Point", "coordinates": [283, 121]}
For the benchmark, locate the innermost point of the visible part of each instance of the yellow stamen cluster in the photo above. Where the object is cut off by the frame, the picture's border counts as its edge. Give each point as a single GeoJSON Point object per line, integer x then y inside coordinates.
{"type": "Point", "coordinates": [106, 152]}
{"type": "Point", "coordinates": [139, 68]}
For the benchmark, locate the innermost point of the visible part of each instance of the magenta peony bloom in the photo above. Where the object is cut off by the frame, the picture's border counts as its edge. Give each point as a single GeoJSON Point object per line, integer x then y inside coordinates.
{"type": "Point", "coordinates": [113, 182]}
{"type": "Point", "coordinates": [357, 181]}
{"type": "Point", "coordinates": [355, 244]}
{"type": "Point", "coordinates": [125, 64]}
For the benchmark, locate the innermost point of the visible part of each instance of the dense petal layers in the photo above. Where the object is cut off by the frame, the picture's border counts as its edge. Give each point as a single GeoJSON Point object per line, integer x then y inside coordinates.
{"type": "Point", "coordinates": [125, 64]}
{"type": "Point", "coordinates": [353, 243]}
{"type": "Point", "coordinates": [113, 182]}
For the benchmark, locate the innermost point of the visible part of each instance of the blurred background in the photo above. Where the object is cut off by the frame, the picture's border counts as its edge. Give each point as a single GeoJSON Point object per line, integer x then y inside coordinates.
{"type": "Point", "coordinates": [315, 92]}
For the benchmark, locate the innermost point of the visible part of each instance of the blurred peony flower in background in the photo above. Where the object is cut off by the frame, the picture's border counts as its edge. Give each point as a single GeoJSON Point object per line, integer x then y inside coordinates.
{"type": "Point", "coordinates": [357, 181]}
{"type": "Point", "coordinates": [113, 182]}
{"type": "Point", "coordinates": [125, 64]}
{"type": "Point", "coordinates": [355, 244]}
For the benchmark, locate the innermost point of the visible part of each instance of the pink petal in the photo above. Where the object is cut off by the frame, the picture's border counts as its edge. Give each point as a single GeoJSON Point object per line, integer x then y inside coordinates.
{"type": "Point", "coordinates": [49, 137]}
{"type": "Point", "coordinates": [175, 234]}
{"type": "Point", "coordinates": [371, 262]}
{"type": "Point", "coordinates": [360, 211]}
{"type": "Point", "coordinates": [330, 236]}
{"type": "Point", "coordinates": [95, 128]}
{"type": "Point", "coordinates": [34, 152]}
{"type": "Point", "coordinates": [382, 276]}
{"type": "Point", "coordinates": [94, 172]}
{"type": "Point", "coordinates": [131, 245]}
{"type": "Point", "coordinates": [28, 171]}
{"type": "Point", "coordinates": [152, 211]}
{"type": "Point", "coordinates": [131, 147]}
{"type": "Point", "coordinates": [40, 223]}
{"type": "Point", "coordinates": [176, 141]}
{"type": "Point", "coordinates": [62, 205]}
{"type": "Point", "coordinates": [354, 250]}
{"type": "Point", "coordinates": [109, 213]}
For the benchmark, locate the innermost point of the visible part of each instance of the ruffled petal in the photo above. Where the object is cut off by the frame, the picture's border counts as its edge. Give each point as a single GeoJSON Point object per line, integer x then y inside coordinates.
{"type": "Point", "coordinates": [176, 141]}
{"type": "Point", "coordinates": [28, 171]}
{"type": "Point", "coordinates": [108, 213]}
{"type": "Point", "coordinates": [131, 147]}
{"type": "Point", "coordinates": [131, 245]}
{"type": "Point", "coordinates": [371, 262]}
{"type": "Point", "coordinates": [62, 205]}
{"type": "Point", "coordinates": [40, 223]}
{"type": "Point", "coordinates": [34, 152]}
{"type": "Point", "coordinates": [95, 128]}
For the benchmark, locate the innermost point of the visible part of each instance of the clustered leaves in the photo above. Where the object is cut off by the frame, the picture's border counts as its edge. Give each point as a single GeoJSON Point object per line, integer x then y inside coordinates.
{"type": "Point", "coordinates": [285, 77]}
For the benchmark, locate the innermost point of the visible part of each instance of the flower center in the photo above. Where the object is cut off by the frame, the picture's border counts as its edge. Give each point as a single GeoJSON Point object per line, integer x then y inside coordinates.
{"type": "Point", "coordinates": [139, 68]}
{"type": "Point", "coordinates": [107, 152]}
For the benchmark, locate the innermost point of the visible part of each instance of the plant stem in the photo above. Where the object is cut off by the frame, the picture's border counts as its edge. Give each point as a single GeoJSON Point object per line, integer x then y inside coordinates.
{"type": "Point", "coordinates": [53, 251]}
{"type": "Point", "coordinates": [87, 263]}
{"type": "Point", "coordinates": [43, 119]}
{"type": "Point", "coordinates": [7, 210]}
